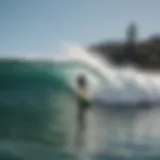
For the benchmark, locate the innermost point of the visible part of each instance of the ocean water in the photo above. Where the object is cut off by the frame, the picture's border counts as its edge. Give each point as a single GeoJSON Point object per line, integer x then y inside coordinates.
{"type": "Point", "coordinates": [38, 106]}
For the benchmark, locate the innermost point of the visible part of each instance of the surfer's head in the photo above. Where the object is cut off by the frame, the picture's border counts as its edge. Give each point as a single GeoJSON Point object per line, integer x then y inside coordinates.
{"type": "Point", "coordinates": [81, 81]}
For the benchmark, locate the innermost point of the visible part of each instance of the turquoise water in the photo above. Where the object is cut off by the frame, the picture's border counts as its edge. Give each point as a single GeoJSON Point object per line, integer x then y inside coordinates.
{"type": "Point", "coordinates": [37, 111]}
{"type": "Point", "coordinates": [36, 105]}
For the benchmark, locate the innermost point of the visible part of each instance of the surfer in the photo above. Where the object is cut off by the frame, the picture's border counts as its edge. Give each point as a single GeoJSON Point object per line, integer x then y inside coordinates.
{"type": "Point", "coordinates": [83, 105]}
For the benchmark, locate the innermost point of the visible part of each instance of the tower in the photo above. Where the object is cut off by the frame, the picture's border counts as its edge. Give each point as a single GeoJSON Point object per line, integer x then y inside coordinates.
{"type": "Point", "coordinates": [131, 37]}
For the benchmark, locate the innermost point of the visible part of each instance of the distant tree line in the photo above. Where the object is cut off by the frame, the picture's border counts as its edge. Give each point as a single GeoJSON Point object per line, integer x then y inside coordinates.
{"type": "Point", "coordinates": [143, 54]}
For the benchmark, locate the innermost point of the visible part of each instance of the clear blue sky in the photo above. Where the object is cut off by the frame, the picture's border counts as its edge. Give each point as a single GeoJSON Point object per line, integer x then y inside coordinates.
{"type": "Point", "coordinates": [40, 26]}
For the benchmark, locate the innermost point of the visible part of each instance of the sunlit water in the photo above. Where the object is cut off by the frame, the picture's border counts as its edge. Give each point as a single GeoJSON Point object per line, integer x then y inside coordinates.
{"type": "Point", "coordinates": [37, 107]}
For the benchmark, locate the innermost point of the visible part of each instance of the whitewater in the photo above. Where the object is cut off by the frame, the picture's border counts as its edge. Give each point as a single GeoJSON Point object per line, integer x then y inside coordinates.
{"type": "Point", "coordinates": [52, 84]}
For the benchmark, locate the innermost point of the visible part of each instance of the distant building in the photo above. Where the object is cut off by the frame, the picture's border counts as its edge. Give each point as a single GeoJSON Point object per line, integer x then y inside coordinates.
{"type": "Point", "coordinates": [131, 35]}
